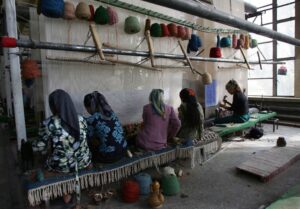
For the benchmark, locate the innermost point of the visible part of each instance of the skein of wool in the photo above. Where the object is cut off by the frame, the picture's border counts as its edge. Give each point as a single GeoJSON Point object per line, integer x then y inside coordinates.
{"type": "Point", "coordinates": [112, 15]}
{"type": "Point", "coordinates": [194, 43]}
{"type": "Point", "coordinates": [132, 25]}
{"type": "Point", "coordinates": [156, 30]}
{"type": "Point", "coordinates": [69, 11]}
{"type": "Point", "coordinates": [144, 180]}
{"type": "Point", "coordinates": [215, 52]}
{"type": "Point", "coordinates": [234, 41]}
{"type": "Point", "coordinates": [52, 8]}
{"type": "Point", "coordinates": [181, 32]}
{"type": "Point", "coordinates": [83, 11]}
{"type": "Point", "coordinates": [240, 43]}
{"type": "Point", "coordinates": [92, 11]}
{"type": "Point", "coordinates": [130, 191]}
{"type": "Point", "coordinates": [173, 29]}
{"type": "Point", "coordinates": [242, 38]}
{"type": "Point", "coordinates": [247, 42]}
{"type": "Point", "coordinates": [30, 69]}
{"type": "Point", "coordinates": [165, 30]}
{"type": "Point", "coordinates": [147, 25]}
{"type": "Point", "coordinates": [188, 33]}
{"type": "Point", "coordinates": [101, 16]}
{"type": "Point", "coordinates": [170, 185]}
{"type": "Point", "coordinates": [225, 42]}
{"type": "Point", "coordinates": [253, 43]}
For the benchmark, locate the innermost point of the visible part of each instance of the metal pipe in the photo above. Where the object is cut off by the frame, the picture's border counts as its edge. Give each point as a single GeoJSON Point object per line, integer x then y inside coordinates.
{"type": "Point", "coordinates": [202, 10]}
{"type": "Point", "coordinates": [91, 49]}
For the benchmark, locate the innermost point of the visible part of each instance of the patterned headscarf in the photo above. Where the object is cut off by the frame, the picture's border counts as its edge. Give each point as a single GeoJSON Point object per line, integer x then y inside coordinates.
{"type": "Point", "coordinates": [61, 105]}
{"type": "Point", "coordinates": [98, 103]}
{"type": "Point", "coordinates": [188, 95]}
{"type": "Point", "coordinates": [156, 99]}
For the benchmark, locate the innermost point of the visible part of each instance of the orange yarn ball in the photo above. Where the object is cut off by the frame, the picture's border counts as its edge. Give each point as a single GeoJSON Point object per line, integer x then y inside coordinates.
{"type": "Point", "coordinates": [30, 69]}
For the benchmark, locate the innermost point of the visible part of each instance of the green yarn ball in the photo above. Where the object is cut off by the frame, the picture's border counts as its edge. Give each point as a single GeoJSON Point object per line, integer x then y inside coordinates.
{"type": "Point", "coordinates": [170, 185]}
{"type": "Point", "coordinates": [253, 43]}
{"type": "Point", "coordinates": [101, 16]}
{"type": "Point", "coordinates": [132, 25]}
{"type": "Point", "coordinates": [156, 30]}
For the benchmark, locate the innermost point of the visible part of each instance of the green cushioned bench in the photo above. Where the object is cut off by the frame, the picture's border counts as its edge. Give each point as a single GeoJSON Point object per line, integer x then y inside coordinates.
{"type": "Point", "coordinates": [225, 129]}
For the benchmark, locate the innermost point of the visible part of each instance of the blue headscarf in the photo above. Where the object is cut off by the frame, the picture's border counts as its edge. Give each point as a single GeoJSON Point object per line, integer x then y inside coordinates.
{"type": "Point", "coordinates": [61, 105]}
{"type": "Point", "coordinates": [156, 99]}
{"type": "Point", "coordinates": [98, 103]}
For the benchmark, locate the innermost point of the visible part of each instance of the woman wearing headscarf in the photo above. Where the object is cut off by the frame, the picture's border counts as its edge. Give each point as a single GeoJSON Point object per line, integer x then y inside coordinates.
{"type": "Point", "coordinates": [105, 132]}
{"type": "Point", "coordinates": [239, 105]}
{"type": "Point", "coordinates": [191, 116]}
{"type": "Point", "coordinates": [65, 132]}
{"type": "Point", "coordinates": [160, 123]}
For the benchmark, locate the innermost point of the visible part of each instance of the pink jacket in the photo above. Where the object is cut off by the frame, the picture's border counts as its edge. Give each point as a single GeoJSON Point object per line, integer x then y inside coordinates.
{"type": "Point", "coordinates": [156, 130]}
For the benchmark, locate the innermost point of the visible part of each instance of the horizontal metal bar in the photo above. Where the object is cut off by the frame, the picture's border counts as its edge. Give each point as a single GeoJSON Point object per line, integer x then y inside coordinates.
{"type": "Point", "coordinates": [80, 48]}
{"type": "Point", "coordinates": [260, 78]}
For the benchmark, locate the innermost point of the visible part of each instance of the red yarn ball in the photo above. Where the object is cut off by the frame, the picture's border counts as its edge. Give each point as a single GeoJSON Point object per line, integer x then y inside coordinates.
{"type": "Point", "coordinates": [215, 52]}
{"type": "Point", "coordinates": [130, 191]}
{"type": "Point", "coordinates": [181, 32]}
{"type": "Point", "coordinates": [165, 30]}
{"type": "Point", "coordinates": [173, 29]}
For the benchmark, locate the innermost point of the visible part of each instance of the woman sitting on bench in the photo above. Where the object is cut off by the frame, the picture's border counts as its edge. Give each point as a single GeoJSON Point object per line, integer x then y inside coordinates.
{"type": "Point", "coordinates": [65, 132]}
{"type": "Point", "coordinates": [191, 115]}
{"type": "Point", "coordinates": [239, 105]}
{"type": "Point", "coordinates": [160, 123]}
{"type": "Point", "coordinates": [105, 133]}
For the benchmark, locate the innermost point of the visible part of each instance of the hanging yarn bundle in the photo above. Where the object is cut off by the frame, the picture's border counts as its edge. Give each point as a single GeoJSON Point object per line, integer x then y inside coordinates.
{"type": "Point", "coordinates": [282, 70]}
{"type": "Point", "coordinates": [147, 25]}
{"type": "Point", "coordinates": [30, 69]}
{"type": "Point", "coordinates": [215, 52]}
{"type": "Point", "coordinates": [130, 191]}
{"type": "Point", "coordinates": [247, 42]}
{"type": "Point", "coordinates": [101, 16]}
{"type": "Point", "coordinates": [173, 29]}
{"type": "Point", "coordinates": [132, 25]}
{"type": "Point", "coordinates": [69, 11]}
{"type": "Point", "coordinates": [188, 33]}
{"type": "Point", "coordinates": [164, 30]}
{"type": "Point", "coordinates": [83, 11]}
{"type": "Point", "coordinates": [234, 41]}
{"type": "Point", "coordinates": [253, 43]}
{"type": "Point", "coordinates": [194, 43]}
{"type": "Point", "coordinates": [112, 15]}
{"type": "Point", "coordinates": [225, 42]}
{"type": "Point", "coordinates": [156, 30]}
{"type": "Point", "coordinates": [241, 42]}
{"type": "Point", "coordinates": [52, 8]}
{"type": "Point", "coordinates": [206, 78]}
{"type": "Point", "coordinates": [181, 32]}
{"type": "Point", "coordinates": [170, 185]}
{"type": "Point", "coordinates": [144, 180]}
{"type": "Point", "coordinates": [92, 11]}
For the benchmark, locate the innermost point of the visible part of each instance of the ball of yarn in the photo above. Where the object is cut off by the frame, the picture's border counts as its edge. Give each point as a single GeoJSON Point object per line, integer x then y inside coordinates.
{"type": "Point", "coordinates": [147, 25]}
{"type": "Point", "coordinates": [282, 70]}
{"type": "Point", "coordinates": [281, 142]}
{"type": "Point", "coordinates": [253, 43]}
{"type": "Point", "coordinates": [52, 8]}
{"type": "Point", "coordinates": [242, 40]}
{"type": "Point", "coordinates": [194, 43]}
{"type": "Point", "coordinates": [181, 32]}
{"type": "Point", "coordinates": [69, 11]}
{"type": "Point", "coordinates": [215, 52]}
{"type": "Point", "coordinates": [170, 185]}
{"type": "Point", "coordinates": [164, 30]}
{"type": "Point", "coordinates": [240, 43]}
{"type": "Point", "coordinates": [112, 15]}
{"type": "Point", "coordinates": [247, 42]}
{"type": "Point", "coordinates": [173, 29]}
{"type": "Point", "coordinates": [101, 16]}
{"type": "Point", "coordinates": [188, 33]}
{"type": "Point", "coordinates": [168, 171]}
{"type": "Point", "coordinates": [83, 11]}
{"type": "Point", "coordinates": [155, 30]}
{"type": "Point", "coordinates": [30, 69]}
{"type": "Point", "coordinates": [206, 78]}
{"type": "Point", "coordinates": [234, 41]}
{"type": "Point", "coordinates": [144, 180]}
{"type": "Point", "coordinates": [92, 11]}
{"type": "Point", "coordinates": [130, 191]}
{"type": "Point", "coordinates": [225, 42]}
{"type": "Point", "coordinates": [132, 25]}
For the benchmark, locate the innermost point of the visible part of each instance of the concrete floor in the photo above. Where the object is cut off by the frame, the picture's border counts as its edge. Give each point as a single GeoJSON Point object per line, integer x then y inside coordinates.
{"type": "Point", "coordinates": [214, 185]}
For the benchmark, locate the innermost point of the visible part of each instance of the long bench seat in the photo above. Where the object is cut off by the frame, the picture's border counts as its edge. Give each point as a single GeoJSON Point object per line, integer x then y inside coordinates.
{"type": "Point", "coordinates": [228, 128]}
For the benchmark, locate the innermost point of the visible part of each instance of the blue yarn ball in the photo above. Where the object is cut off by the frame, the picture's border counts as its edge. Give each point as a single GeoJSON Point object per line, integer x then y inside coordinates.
{"type": "Point", "coordinates": [225, 42]}
{"type": "Point", "coordinates": [194, 43]}
{"type": "Point", "coordinates": [144, 180]}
